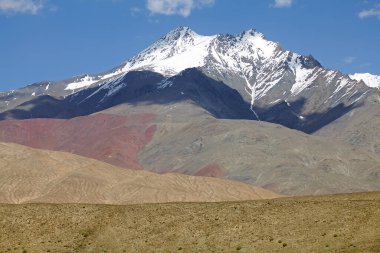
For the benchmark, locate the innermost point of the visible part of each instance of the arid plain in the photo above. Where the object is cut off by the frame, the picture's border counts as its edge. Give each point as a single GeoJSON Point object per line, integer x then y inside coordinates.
{"type": "Point", "coordinates": [335, 223]}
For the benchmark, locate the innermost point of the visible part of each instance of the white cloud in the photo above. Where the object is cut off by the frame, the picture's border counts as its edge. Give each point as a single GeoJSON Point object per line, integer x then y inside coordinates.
{"type": "Point", "coordinates": [283, 3]}
{"type": "Point", "coordinates": [370, 13]}
{"type": "Point", "coordinates": [176, 7]}
{"type": "Point", "coordinates": [21, 6]}
{"type": "Point", "coordinates": [349, 59]}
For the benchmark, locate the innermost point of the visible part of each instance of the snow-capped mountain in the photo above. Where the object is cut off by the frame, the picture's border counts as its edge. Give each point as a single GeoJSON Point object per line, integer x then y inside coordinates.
{"type": "Point", "coordinates": [369, 79]}
{"type": "Point", "coordinates": [263, 72]}
{"type": "Point", "coordinates": [278, 85]}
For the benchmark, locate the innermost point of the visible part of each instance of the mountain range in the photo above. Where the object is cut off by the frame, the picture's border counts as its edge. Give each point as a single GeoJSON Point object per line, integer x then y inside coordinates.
{"type": "Point", "coordinates": [231, 106]}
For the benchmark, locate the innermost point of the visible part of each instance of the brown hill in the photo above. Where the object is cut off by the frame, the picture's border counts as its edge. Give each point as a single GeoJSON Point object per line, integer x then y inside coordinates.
{"type": "Point", "coordinates": [337, 223]}
{"type": "Point", "coordinates": [32, 175]}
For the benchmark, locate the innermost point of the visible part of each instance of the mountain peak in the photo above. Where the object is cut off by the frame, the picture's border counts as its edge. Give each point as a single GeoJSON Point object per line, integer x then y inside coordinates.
{"type": "Point", "coordinates": [251, 32]}
{"type": "Point", "coordinates": [182, 29]}
{"type": "Point", "coordinates": [181, 32]}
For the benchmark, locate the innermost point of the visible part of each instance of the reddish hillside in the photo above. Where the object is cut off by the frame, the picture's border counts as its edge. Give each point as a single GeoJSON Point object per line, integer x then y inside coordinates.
{"type": "Point", "coordinates": [110, 138]}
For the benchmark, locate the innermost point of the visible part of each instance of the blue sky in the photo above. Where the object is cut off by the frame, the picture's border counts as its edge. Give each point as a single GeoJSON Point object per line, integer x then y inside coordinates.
{"type": "Point", "coordinates": [57, 39]}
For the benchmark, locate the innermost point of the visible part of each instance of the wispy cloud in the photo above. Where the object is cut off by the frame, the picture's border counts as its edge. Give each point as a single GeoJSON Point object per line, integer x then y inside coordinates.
{"type": "Point", "coordinates": [176, 7]}
{"type": "Point", "coordinates": [135, 11]}
{"type": "Point", "coordinates": [373, 12]}
{"type": "Point", "coordinates": [349, 59]}
{"type": "Point", "coordinates": [365, 65]}
{"type": "Point", "coordinates": [283, 3]}
{"type": "Point", "coordinates": [21, 6]}
{"type": "Point", "coordinates": [370, 13]}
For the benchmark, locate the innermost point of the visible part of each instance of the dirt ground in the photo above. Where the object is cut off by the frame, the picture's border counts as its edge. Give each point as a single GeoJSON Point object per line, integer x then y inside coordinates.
{"type": "Point", "coordinates": [337, 223]}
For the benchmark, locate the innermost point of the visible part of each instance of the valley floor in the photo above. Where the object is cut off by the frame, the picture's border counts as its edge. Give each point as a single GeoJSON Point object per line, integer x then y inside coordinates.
{"type": "Point", "coordinates": [336, 223]}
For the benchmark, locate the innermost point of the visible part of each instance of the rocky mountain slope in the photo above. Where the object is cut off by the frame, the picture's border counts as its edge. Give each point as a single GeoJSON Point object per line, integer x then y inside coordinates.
{"type": "Point", "coordinates": [262, 154]}
{"type": "Point", "coordinates": [139, 88]}
{"type": "Point", "coordinates": [359, 127]}
{"type": "Point", "coordinates": [31, 175]}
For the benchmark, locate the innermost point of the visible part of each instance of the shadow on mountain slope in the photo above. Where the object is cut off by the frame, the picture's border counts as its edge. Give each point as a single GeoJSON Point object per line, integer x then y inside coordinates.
{"type": "Point", "coordinates": [287, 114]}
{"type": "Point", "coordinates": [141, 87]}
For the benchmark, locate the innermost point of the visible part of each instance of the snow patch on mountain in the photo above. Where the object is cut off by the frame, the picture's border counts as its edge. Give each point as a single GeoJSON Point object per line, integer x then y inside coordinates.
{"type": "Point", "coordinates": [263, 47]}
{"type": "Point", "coordinates": [167, 82]}
{"type": "Point", "coordinates": [370, 80]}
{"type": "Point", "coordinates": [110, 87]}
{"type": "Point", "coordinates": [178, 50]}
{"type": "Point", "coordinates": [81, 83]}
{"type": "Point", "coordinates": [88, 80]}
{"type": "Point", "coordinates": [301, 75]}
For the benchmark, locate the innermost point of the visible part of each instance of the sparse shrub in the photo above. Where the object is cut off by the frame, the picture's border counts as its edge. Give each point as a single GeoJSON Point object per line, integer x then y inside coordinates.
{"type": "Point", "coordinates": [238, 247]}
{"type": "Point", "coordinates": [179, 248]}
{"type": "Point", "coordinates": [335, 235]}
{"type": "Point", "coordinates": [279, 241]}
{"type": "Point", "coordinates": [284, 244]}
{"type": "Point", "coordinates": [323, 234]}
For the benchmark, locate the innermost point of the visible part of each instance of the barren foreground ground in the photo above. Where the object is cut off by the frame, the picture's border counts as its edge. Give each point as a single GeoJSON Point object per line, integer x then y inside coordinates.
{"type": "Point", "coordinates": [340, 223]}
